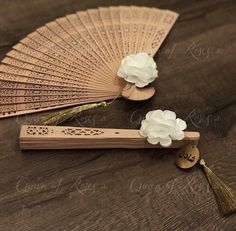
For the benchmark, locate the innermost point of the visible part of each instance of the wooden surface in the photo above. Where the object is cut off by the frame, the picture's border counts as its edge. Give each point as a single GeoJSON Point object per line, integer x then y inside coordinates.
{"type": "Point", "coordinates": [130, 189]}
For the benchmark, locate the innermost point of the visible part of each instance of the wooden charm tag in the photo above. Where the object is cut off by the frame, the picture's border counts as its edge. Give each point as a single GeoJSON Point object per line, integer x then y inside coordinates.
{"type": "Point", "coordinates": [187, 156]}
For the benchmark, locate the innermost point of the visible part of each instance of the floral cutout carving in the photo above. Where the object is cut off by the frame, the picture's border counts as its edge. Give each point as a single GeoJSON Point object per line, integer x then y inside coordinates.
{"type": "Point", "coordinates": [82, 132]}
{"type": "Point", "coordinates": [33, 130]}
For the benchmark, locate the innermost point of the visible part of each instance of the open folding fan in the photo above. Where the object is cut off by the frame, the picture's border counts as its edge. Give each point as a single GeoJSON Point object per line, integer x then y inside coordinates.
{"type": "Point", "coordinates": [74, 60]}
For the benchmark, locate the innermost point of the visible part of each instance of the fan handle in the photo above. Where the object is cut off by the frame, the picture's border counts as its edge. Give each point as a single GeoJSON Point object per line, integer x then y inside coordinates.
{"type": "Point", "coordinates": [59, 137]}
{"type": "Point", "coordinates": [132, 92]}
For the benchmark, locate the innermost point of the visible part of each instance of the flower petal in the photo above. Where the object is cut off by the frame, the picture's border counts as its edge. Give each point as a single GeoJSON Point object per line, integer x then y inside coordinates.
{"type": "Point", "coordinates": [153, 140]}
{"type": "Point", "coordinates": [165, 142]}
{"type": "Point", "coordinates": [169, 115]}
{"type": "Point", "coordinates": [162, 126]}
{"type": "Point", "coordinates": [181, 124]}
{"type": "Point", "coordinates": [139, 69]}
{"type": "Point", "coordinates": [177, 135]}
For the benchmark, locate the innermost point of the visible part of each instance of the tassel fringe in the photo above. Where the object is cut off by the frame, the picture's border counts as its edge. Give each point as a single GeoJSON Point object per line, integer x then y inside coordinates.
{"type": "Point", "coordinates": [56, 118]}
{"type": "Point", "coordinates": [225, 197]}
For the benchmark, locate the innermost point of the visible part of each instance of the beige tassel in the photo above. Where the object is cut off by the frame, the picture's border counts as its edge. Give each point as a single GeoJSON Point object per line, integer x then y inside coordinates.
{"type": "Point", "coordinates": [58, 117]}
{"type": "Point", "coordinates": [225, 197]}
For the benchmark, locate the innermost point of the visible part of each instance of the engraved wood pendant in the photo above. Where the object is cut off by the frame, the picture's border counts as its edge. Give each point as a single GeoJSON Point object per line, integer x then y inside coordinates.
{"type": "Point", "coordinates": [187, 156]}
{"type": "Point", "coordinates": [74, 59]}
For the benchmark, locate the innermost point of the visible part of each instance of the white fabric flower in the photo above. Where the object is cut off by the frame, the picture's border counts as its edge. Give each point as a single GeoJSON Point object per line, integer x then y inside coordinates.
{"type": "Point", "coordinates": [162, 127]}
{"type": "Point", "coordinates": [139, 69]}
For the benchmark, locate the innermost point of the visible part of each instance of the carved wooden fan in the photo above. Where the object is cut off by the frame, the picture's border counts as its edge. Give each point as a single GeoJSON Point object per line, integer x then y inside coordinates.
{"type": "Point", "coordinates": [74, 60]}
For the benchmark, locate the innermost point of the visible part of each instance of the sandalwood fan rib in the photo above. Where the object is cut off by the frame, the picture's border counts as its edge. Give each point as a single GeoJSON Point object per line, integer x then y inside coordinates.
{"type": "Point", "coordinates": [59, 137]}
{"type": "Point", "coordinates": [74, 59]}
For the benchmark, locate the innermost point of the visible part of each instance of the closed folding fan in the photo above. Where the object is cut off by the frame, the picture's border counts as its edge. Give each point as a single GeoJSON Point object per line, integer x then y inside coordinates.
{"type": "Point", "coordinates": [74, 60]}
